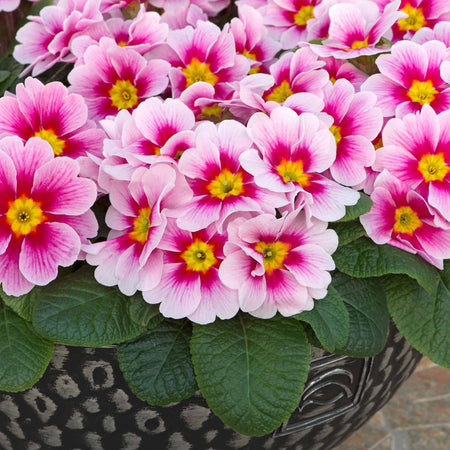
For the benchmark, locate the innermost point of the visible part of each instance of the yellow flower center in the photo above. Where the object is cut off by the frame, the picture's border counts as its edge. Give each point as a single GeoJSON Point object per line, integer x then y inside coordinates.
{"type": "Point", "coordinates": [414, 21]}
{"type": "Point", "coordinates": [24, 215]}
{"type": "Point", "coordinates": [280, 93]}
{"type": "Point", "coordinates": [141, 225]}
{"type": "Point", "coordinates": [122, 44]}
{"type": "Point", "coordinates": [433, 167]}
{"type": "Point", "coordinates": [378, 143]}
{"type": "Point", "coordinates": [50, 136]}
{"type": "Point", "coordinates": [336, 132]}
{"type": "Point", "coordinates": [406, 220]}
{"type": "Point", "coordinates": [197, 71]}
{"type": "Point", "coordinates": [253, 57]}
{"type": "Point", "coordinates": [210, 111]}
{"type": "Point", "coordinates": [305, 13]}
{"type": "Point", "coordinates": [199, 256]}
{"type": "Point", "coordinates": [274, 254]}
{"type": "Point", "coordinates": [293, 171]}
{"type": "Point", "coordinates": [360, 44]}
{"type": "Point", "coordinates": [422, 92]}
{"type": "Point", "coordinates": [123, 95]}
{"type": "Point", "coordinates": [226, 184]}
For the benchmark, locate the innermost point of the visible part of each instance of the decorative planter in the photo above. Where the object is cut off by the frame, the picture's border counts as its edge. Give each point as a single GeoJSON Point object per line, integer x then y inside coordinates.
{"type": "Point", "coordinates": [82, 402]}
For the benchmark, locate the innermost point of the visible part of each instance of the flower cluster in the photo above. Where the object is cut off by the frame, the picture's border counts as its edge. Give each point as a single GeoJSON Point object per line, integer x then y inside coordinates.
{"type": "Point", "coordinates": [224, 152]}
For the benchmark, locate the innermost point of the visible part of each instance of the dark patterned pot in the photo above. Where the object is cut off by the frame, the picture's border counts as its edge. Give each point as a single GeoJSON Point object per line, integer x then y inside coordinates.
{"type": "Point", "coordinates": [82, 402]}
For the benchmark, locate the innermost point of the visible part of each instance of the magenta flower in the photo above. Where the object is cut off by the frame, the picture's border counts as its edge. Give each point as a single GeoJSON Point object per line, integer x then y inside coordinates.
{"type": "Point", "coordinates": [44, 213]}
{"type": "Point", "coordinates": [417, 151]}
{"type": "Point", "coordinates": [293, 152]}
{"type": "Point", "coordinates": [113, 78]}
{"type": "Point", "coordinates": [221, 187]}
{"type": "Point", "coordinates": [137, 217]}
{"type": "Point", "coordinates": [52, 114]}
{"type": "Point", "coordinates": [410, 77]}
{"type": "Point", "coordinates": [356, 28]}
{"type": "Point", "coordinates": [45, 40]}
{"type": "Point", "coordinates": [252, 38]}
{"type": "Point", "coordinates": [190, 285]}
{"type": "Point", "coordinates": [205, 53]}
{"type": "Point", "coordinates": [355, 123]}
{"type": "Point", "coordinates": [338, 68]}
{"type": "Point", "coordinates": [278, 265]}
{"type": "Point", "coordinates": [401, 217]}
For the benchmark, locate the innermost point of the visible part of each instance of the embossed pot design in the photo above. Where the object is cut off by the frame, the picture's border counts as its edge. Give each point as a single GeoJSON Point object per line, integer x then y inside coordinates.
{"type": "Point", "coordinates": [82, 402]}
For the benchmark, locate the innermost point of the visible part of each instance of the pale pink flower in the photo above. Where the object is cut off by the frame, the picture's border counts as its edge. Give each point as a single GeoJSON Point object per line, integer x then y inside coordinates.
{"type": "Point", "coordinates": [111, 5]}
{"type": "Point", "coordinates": [252, 38]}
{"type": "Point", "coordinates": [356, 28]}
{"type": "Point", "coordinates": [410, 77]}
{"type": "Point", "coordinates": [417, 151]}
{"type": "Point", "coordinates": [293, 152]}
{"type": "Point", "coordinates": [137, 217]}
{"type": "Point", "coordinates": [113, 78]}
{"type": "Point", "coordinates": [278, 265]}
{"type": "Point", "coordinates": [440, 32]}
{"type": "Point", "coordinates": [190, 285]}
{"type": "Point", "coordinates": [221, 187]}
{"type": "Point", "coordinates": [44, 211]}
{"type": "Point", "coordinates": [204, 53]}
{"type": "Point", "coordinates": [51, 113]}
{"type": "Point", "coordinates": [45, 40]}
{"type": "Point", "coordinates": [9, 5]}
{"type": "Point", "coordinates": [401, 217]}
{"type": "Point", "coordinates": [210, 7]}
{"type": "Point", "coordinates": [355, 122]}
{"type": "Point", "coordinates": [338, 68]}
{"type": "Point", "coordinates": [179, 13]}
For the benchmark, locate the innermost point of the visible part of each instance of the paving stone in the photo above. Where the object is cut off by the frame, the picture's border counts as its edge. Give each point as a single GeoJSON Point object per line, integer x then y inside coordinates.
{"type": "Point", "coordinates": [432, 438]}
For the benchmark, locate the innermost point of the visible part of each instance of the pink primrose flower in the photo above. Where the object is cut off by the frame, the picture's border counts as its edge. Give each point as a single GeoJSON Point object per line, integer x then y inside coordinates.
{"type": "Point", "coordinates": [137, 217]}
{"type": "Point", "coordinates": [410, 77]}
{"type": "Point", "coordinates": [355, 123]}
{"type": "Point", "coordinates": [45, 39]}
{"type": "Point", "coordinates": [293, 152]}
{"type": "Point", "coordinates": [190, 285]}
{"type": "Point", "coordinates": [111, 5]}
{"type": "Point", "coordinates": [417, 151]}
{"type": "Point", "coordinates": [207, 54]}
{"type": "Point", "coordinates": [44, 213]}
{"type": "Point", "coordinates": [142, 34]}
{"type": "Point", "coordinates": [278, 265]}
{"type": "Point", "coordinates": [179, 13]}
{"type": "Point", "coordinates": [288, 19]}
{"type": "Point", "coordinates": [252, 38]}
{"type": "Point", "coordinates": [221, 187]}
{"type": "Point", "coordinates": [113, 78]}
{"type": "Point", "coordinates": [401, 217]}
{"type": "Point", "coordinates": [52, 114]}
{"type": "Point", "coordinates": [440, 32]}
{"type": "Point", "coordinates": [419, 14]}
{"type": "Point", "coordinates": [338, 68]}
{"type": "Point", "coordinates": [356, 28]}
{"type": "Point", "coordinates": [158, 131]}
{"type": "Point", "coordinates": [210, 7]}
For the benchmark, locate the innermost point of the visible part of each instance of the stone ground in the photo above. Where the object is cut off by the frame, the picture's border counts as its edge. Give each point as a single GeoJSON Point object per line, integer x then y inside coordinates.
{"type": "Point", "coordinates": [416, 418]}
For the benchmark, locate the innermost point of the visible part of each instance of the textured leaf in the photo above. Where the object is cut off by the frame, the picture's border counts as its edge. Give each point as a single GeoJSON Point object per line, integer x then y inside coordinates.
{"type": "Point", "coordinates": [352, 212]}
{"type": "Point", "coordinates": [251, 371]}
{"type": "Point", "coordinates": [4, 75]}
{"type": "Point", "coordinates": [423, 318]}
{"type": "Point", "coordinates": [24, 355]}
{"type": "Point", "coordinates": [22, 305]}
{"type": "Point", "coordinates": [142, 312]}
{"type": "Point", "coordinates": [157, 365]}
{"type": "Point", "coordinates": [348, 231]}
{"type": "Point", "coordinates": [364, 259]}
{"type": "Point", "coordinates": [329, 320]}
{"type": "Point", "coordinates": [369, 317]}
{"type": "Point", "coordinates": [78, 310]}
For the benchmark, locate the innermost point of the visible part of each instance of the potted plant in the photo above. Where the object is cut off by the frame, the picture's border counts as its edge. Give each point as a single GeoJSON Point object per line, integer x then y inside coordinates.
{"type": "Point", "coordinates": [206, 190]}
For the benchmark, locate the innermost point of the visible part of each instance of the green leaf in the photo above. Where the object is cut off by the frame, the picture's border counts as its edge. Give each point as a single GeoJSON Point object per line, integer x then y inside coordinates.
{"type": "Point", "coordinates": [77, 310]}
{"type": "Point", "coordinates": [140, 311]}
{"type": "Point", "coordinates": [423, 318]}
{"type": "Point", "coordinates": [10, 65]}
{"type": "Point", "coordinates": [23, 304]}
{"type": "Point", "coordinates": [329, 319]}
{"type": "Point", "coordinates": [369, 318]}
{"type": "Point", "coordinates": [364, 259]}
{"type": "Point", "coordinates": [4, 75]}
{"type": "Point", "coordinates": [353, 212]}
{"type": "Point", "coordinates": [251, 371]}
{"type": "Point", "coordinates": [348, 231]}
{"type": "Point", "coordinates": [24, 355]}
{"type": "Point", "coordinates": [157, 365]}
